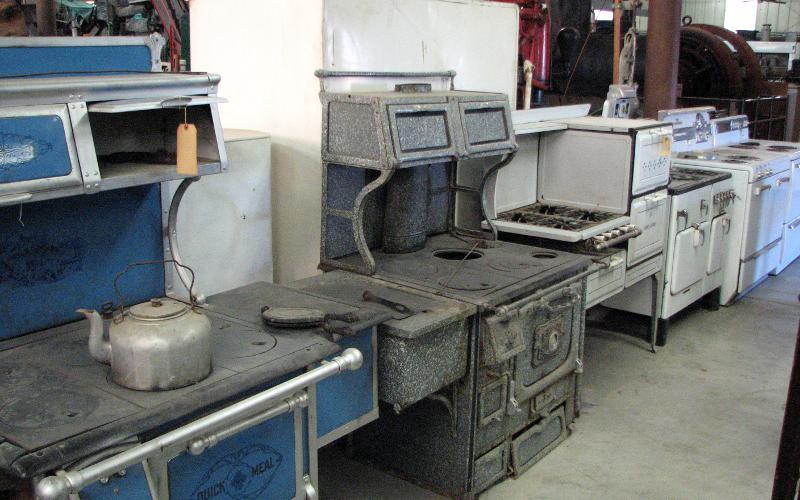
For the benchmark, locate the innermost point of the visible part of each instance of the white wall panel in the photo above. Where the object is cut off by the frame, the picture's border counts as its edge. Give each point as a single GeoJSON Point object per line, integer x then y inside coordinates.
{"type": "Point", "coordinates": [702, 11]}
{"type": "Point", "coordinates": [477, 39]}
{"type": "Point", "coordinates": [782, 17]}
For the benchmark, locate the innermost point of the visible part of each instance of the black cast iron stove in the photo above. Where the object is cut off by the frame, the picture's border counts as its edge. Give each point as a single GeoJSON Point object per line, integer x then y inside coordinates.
{"type": "Point", "coordinates": [404, 172]}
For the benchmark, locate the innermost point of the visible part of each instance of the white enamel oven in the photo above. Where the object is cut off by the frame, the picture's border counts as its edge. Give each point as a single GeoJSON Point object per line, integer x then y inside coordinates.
{"type": "Point", "coordinates": [756, 224]}
{"type": "Point", "coordinates": [790, 244]}
{"type": "Point", "coordinates": [767, 198]}
{"type": "Point", "coordinates": [700, 236]}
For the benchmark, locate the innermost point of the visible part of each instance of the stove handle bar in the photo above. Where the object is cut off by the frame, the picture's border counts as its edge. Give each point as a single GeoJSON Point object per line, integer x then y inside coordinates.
{"type": "Point", "coordinates": [194, 435]}
{"type": "Point", "coordinates": [603, 245]}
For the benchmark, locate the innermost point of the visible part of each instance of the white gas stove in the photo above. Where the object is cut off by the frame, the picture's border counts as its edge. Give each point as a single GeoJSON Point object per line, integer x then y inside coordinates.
{"type": "Point", "coordinates": [761, 183]}
{"type": "Point", "coordinates": [733, 133]}
{"type": "Point", "coordinates": [590, 185]}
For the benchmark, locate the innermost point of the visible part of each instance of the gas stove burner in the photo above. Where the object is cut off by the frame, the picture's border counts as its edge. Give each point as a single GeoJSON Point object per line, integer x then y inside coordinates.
{"type": "Point", "coordinates": [741, 158]}
{"type": "Point", "coordinates": [556, 217]}
{"type": "Point", "coordinates": [781, 147]}
{"type": "Point", "coordinates": [750, 143]}
{"type": "Point", "coordinates": [734, 161]}
{"type": "Point", "coordinates": [744, 146]}
{"type": "Point", "coordinates": [698, 155]}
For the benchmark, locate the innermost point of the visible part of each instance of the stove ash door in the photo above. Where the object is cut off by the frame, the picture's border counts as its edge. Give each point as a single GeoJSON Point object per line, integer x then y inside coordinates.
{"type": "Point", "coordinates": [691, 257]}
{"type": "Point", "coordinates": [552, 335]}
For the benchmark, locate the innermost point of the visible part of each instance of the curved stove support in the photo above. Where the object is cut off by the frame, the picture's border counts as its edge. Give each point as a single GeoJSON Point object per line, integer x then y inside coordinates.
{"type": "Point", "coordinates": [172, 238]}
{"type": "Point", "coordinates": [356, 217]}
{"type": "Point", "coordinates": [492, 174]}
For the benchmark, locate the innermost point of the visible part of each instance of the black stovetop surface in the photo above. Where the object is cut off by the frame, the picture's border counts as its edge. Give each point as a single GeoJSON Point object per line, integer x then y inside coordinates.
{"type": "Point", "coordinates": [57, 404]}
{"type": "Point", "coordinates": [501, 271]}
{"type": "Point", "coordinates": [683, 179]}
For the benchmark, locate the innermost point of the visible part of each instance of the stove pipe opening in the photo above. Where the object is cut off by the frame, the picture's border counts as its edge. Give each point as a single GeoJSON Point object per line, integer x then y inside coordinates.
{"type": "Point", "coordinates": [405, 226]}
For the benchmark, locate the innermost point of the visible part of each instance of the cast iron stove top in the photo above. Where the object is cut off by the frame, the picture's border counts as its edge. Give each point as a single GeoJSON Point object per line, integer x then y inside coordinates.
{"type": "Point", "coordinates": [484, 275]}
{"type": "Point", "coordinates": [57, 404]}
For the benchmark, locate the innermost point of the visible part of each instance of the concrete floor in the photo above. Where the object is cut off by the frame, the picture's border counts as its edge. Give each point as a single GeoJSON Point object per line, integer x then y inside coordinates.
{"type": "Point", "coordinates": [700, 419]}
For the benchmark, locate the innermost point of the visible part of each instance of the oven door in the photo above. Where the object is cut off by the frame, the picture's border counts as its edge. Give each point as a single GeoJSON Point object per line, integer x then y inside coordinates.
{"type": "Point", "coordinates": [37, 152]}
{"type": "Point", "coordinates": [793, 212]}
{"type": "Point", "coordinates": [552, 335]}
{"type": "Point", "coordinates": [763, 225]}
{"type": "Point", "coordinates": [487, 126]}
{"type": "Point", "coordinates": [648, 213]}
{"type": "Point", "coordinates": [421, 131]}
{"type": "Point", "coordinates": [718, 243]}
{"type": "Point", "coordinates": [691, 255]}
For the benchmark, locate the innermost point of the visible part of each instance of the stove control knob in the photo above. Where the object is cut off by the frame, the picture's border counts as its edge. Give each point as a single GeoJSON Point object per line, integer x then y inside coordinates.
{"type": "Point", "coordinates": [608, 235]}
{"type": "Point", "coordinates": [616, 233]}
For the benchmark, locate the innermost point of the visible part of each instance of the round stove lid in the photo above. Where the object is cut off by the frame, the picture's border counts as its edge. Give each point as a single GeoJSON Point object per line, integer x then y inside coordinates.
{"type": "Point", "coordinates": [781, 147]}
{"type": "Point", "coordinates": [292, 317]}
{"type": "Point", "coordinates": [158, 309]}
{"type": "Point", "coordinates": [750, 143]}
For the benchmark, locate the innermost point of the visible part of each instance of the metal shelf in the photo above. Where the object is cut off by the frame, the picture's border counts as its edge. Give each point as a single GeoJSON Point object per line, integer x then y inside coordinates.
{"type": "Point", "coordinates": [123, 175]}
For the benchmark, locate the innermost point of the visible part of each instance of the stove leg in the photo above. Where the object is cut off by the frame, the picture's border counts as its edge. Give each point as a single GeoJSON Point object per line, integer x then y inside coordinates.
{"type": "Point", "coordinates": [655, 312]}
{"type": "Point", "coordinates": [663, 332]}
{"type": "Point", "coordinates": [712, 299]}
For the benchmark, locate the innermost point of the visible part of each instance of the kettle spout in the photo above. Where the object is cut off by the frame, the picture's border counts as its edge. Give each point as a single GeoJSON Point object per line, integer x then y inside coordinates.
{"type": "Point", "coordinates": [99, 345]}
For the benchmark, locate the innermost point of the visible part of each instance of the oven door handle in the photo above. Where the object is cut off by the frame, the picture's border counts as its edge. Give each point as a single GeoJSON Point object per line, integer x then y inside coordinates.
{"type": "Point", "coordinates": [198, 435]}
{"type": "Point", "coordinates": [760, 189]}
{"type": "Point", "coordinates": [783, 180]}
{"type": "Point", "coordinates": [634, 232]}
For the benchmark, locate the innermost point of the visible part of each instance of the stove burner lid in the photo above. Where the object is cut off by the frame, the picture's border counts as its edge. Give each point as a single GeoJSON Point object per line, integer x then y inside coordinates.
{"type": "Point", "coordinates": [750, 143]}
{"type": "Point", "coordinates": [744, 146]}
{"type": "Point", "coordinates": [698, 155]}
{"type": "Point", "coordinates": [292, 317]}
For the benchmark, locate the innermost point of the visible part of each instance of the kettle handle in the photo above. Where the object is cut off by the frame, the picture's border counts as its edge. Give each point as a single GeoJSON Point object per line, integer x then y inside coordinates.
{"type": "Point", "coordinates": [130, 266]}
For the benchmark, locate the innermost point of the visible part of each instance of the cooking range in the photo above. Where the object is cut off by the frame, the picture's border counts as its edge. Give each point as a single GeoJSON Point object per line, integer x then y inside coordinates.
{"type": "Point", "coordinates": [404, 209]}
{"type": "Point", "coordinates": [734, 133]}
{"type": "Point", "coordinates": [761, 182]}
{"type": "Point", "coordinates": [160, 394]}
{"type": "Point", "coordinates": [698, 239]}
{"type": "Point", "coordinates": [599, 190]}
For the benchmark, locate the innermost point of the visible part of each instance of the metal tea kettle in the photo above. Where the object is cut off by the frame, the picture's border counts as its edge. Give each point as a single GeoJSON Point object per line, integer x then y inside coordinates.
{"type": "Point", "coordinates": [157, 345]}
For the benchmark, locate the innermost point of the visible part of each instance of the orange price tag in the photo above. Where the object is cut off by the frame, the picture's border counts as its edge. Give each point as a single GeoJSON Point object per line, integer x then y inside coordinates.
{"type": "Point", "coordinates": [187, 149]}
